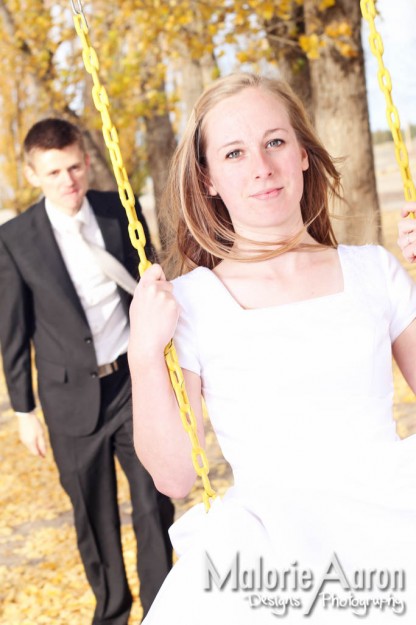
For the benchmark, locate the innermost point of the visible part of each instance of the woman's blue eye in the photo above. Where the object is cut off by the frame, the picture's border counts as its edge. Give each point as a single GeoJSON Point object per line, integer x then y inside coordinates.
{"type": "Point", "coordinates": [233, 154]}
{"type": "Point", "coordinates": [275, 143]}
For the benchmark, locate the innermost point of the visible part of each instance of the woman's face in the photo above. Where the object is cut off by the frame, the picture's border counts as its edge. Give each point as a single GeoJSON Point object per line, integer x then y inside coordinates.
{"type": "Point", "coordinates": [255, 164]}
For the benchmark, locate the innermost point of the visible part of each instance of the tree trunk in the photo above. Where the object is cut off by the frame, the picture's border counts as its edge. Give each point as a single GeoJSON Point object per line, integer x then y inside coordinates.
{"type": "Point", "coordinates": [192, 84]}
{"type": "Point", "coordinates": [283, 36]}
{"type": "Point", "coordinates": [101, 176]}
{"type": "Point", "coordinates": [160, 145]}
{"type": "Point", "coordinates": [342, 122]}
{"type": "Point", "coordinates": [194, 75]}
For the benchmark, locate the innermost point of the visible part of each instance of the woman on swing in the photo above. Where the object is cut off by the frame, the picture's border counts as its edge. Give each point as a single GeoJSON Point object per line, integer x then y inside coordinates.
{"type": "Point", "coordinates": [288, 336]}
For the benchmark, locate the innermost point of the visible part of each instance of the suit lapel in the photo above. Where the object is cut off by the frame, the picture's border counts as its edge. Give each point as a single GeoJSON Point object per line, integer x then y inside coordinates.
{"type": "Point", "coordinates": [110, 228]}
{"type": "Point", "coordinates": [113, 240]}
{"type": "Point", "coordinates": [48, 255]}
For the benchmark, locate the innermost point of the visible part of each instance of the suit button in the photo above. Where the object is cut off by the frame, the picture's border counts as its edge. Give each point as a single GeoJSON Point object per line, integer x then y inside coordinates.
{"type": "Point", "coordinates": [88, 340]}
{"type": "Point", "coordinates": [94, 374]}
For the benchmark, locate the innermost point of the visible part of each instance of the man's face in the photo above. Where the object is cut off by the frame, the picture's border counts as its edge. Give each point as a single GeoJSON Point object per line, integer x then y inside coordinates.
{"type": "Point", "coordinates": [62, 175]}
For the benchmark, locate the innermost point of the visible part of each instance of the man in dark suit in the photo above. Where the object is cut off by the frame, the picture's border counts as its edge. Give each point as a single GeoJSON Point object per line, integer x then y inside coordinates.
{"type": "Point", "coordinates": [56, 297]}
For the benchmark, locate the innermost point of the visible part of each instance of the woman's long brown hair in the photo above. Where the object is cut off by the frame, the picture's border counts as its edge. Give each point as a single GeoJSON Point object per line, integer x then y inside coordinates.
{"type": "Point", "coordinates": [198, 226]}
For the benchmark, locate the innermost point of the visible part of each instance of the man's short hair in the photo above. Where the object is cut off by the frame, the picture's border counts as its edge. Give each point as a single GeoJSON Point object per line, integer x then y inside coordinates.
{"type": "Point", "coordinates": [52, 134]}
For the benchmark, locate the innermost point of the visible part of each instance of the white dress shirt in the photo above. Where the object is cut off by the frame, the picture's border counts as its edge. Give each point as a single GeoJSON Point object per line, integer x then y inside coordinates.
{"type": "Point", "coordinates": [98, 294]}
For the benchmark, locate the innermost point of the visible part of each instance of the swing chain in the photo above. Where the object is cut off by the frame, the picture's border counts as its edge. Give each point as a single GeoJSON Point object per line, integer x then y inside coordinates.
{"type": "Point", "coordinates": [77, 9]}
{"type": "Point", "coordinates": [138, 241]}
{"type": "Point", "coordinates": [369, 13]}
{"type": "Point", "coordinates": [199, 457]}
{"type": "Point", "coordinates": [101, 102]}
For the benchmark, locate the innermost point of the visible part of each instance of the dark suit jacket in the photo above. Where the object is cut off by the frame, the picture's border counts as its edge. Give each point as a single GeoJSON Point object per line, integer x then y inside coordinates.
{"type": "Point", "coordinates": [39, 307]}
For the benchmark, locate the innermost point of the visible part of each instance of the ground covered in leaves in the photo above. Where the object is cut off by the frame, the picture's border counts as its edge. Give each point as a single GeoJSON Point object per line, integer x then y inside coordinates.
{"type": "Point", "coordinates": [42, 581]}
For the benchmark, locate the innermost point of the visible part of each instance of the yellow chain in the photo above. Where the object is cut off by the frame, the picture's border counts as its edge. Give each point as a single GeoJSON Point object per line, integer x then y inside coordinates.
{"type": "Point", "coordinates": [368, 11]}
{"type": "Point", "coordinates": [138, 240]}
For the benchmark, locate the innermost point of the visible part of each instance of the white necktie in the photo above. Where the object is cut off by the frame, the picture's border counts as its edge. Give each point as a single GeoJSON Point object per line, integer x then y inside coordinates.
{"type": "Point", "coordinates": [109, 265]}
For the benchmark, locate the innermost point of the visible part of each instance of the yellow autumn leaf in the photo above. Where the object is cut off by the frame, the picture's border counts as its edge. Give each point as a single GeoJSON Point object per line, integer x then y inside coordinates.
{"type": "Point", "coordinates": [338, 29]}
{"type": "Point", "coordinates": [266, 10]}
{"type": "Point", "coordinates": [325, 4]}
{"type": "Point", "coordinates": [345, 29]}
{"type": "Point", "coordinates": [310, 45]}
{"type": "Point", "coordinates": [332, 30]}
{"type": "Point", "coordinates": [346, 50]}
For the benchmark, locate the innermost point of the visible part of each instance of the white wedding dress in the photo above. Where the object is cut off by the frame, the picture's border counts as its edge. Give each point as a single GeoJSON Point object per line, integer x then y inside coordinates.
{"type": "Point", "coordinates": [300, 397]}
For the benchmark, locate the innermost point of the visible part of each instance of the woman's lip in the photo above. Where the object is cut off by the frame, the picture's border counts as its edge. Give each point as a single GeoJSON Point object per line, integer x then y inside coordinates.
{"type": "Point", "coordinates": [267, 193]}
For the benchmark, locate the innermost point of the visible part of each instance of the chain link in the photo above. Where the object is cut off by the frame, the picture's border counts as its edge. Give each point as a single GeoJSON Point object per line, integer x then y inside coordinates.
{"type": "Point", "coordinates": [369, 13]}
{"type": "Point", "coordinates": [138, 241]}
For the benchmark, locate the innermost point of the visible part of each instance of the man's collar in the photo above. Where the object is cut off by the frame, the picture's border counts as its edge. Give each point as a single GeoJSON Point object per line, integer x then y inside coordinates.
{"type": "Point", "coordinates": [62, 222]}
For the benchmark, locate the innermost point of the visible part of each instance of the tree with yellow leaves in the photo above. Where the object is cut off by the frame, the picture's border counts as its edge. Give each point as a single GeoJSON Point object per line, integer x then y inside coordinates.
{"type": "Point", "coordinates": [332, 42]}
{"type": "Point", "coordinates": [156, 56]}
{"type": "Point", "coordinates": [33, 38]}
{"type": "Point", "coordinates": [316, 47]}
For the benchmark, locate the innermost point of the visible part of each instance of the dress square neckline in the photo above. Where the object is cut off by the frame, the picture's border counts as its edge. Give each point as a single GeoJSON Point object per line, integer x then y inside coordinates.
{"type": "Point", "coordinates": [302, 302]}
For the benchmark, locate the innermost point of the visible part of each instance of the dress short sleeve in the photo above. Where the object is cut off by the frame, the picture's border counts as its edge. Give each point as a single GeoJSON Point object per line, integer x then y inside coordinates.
{"type": "Point", "coordinates": [185, 337]}
{"type": "Point", "coordinates": [401, 292]}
